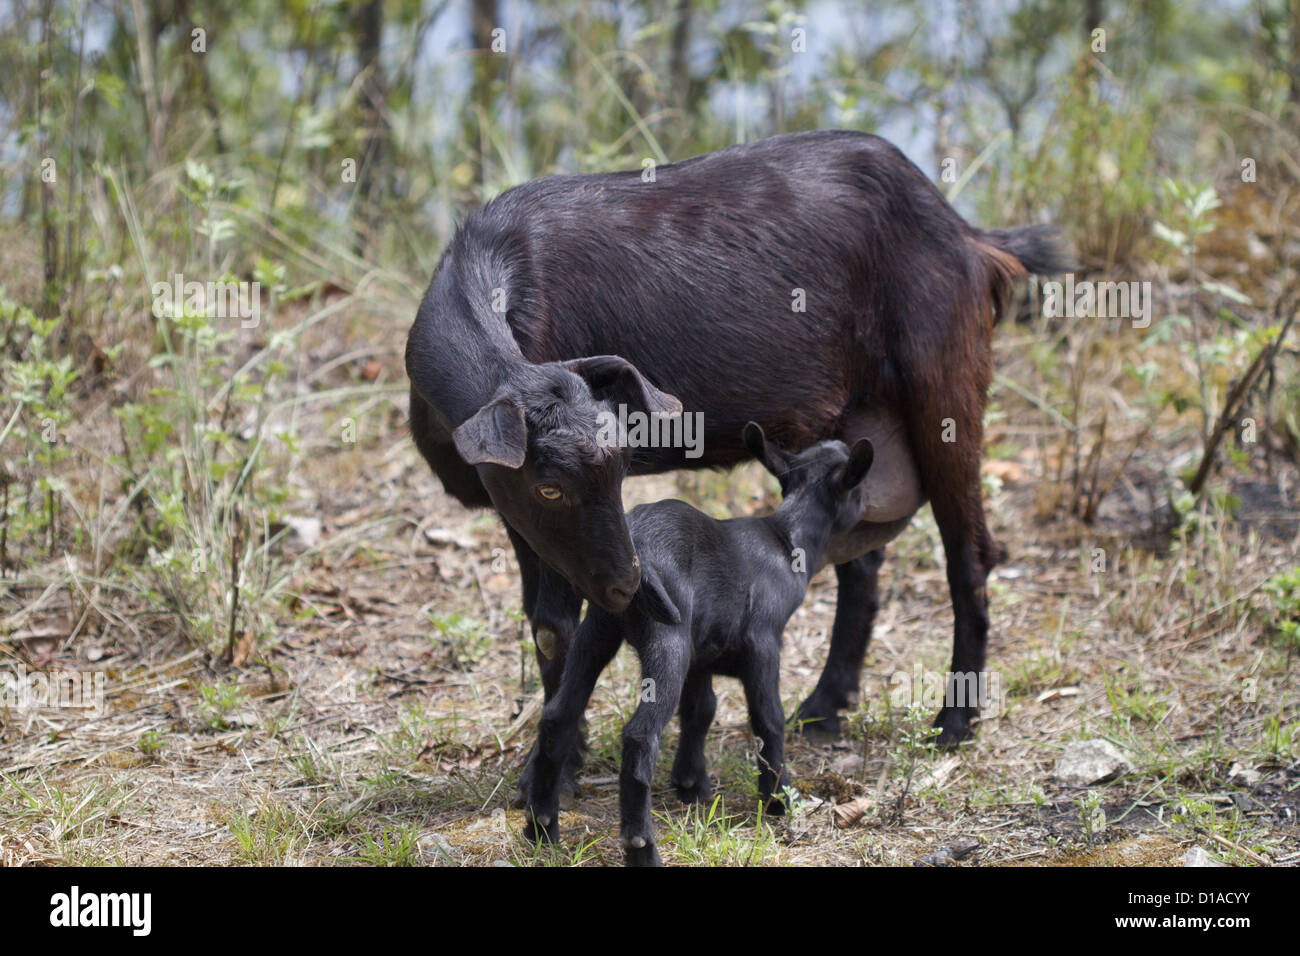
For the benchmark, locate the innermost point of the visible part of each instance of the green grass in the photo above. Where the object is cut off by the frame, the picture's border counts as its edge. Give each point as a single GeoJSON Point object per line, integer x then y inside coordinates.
{"type": "Point", "coordinates": [68, 825]}
{"type": "Point", "coordinates": [710, 836]}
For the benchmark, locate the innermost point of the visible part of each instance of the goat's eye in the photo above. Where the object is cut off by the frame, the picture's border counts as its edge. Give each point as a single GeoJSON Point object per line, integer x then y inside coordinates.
{"type": "Point", "coordinates": [550, 492]}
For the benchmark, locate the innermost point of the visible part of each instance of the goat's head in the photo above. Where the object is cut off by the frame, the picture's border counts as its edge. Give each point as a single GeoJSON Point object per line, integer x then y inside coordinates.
{"type": "Point", "coordinates": [542, 451]}
{"type": "Point", "coordinates": [829, 471]}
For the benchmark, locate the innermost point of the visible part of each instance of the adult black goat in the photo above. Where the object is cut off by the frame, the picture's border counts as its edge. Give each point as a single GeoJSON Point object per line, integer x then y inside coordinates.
{"type": "Point", "coordinates": [815, 283]}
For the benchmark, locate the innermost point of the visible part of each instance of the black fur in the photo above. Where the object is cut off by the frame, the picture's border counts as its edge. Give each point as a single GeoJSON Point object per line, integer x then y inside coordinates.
{"type": "Point", "coordinates": [715, 598]}
{"type": "Point", "coordinates": [695, 280]}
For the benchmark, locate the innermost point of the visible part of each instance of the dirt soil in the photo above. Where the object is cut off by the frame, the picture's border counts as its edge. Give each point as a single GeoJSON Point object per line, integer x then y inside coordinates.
{"type": "Point", "coordinates": [386, 720]}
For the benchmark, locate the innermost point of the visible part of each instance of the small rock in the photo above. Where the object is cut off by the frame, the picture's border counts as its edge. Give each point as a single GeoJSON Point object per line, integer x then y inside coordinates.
{"type": "Point", "coordinates": [847, 764]}
{"type": "Point", "coordinates": [947, 855]}
{"type": "Point", "coordinates": [304, 532]}
{"type": "Point", "coordinates": [1088, 762]}
{"type": "Point", "coordinates": [1244, 776]}
{"type": "Point", "coordinates": [1198, 857]}
{"type": "Point", "coordinates": [934, 776]}
{"type": "Point", "coordinates": [436, 850]}
{"type": "Point", "coordinates": [1244, 802]}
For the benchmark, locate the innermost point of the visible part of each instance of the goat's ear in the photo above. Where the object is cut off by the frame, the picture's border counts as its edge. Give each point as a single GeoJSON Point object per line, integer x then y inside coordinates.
{"type": "Point", "coordinates": [772, 458]}
{"type": "Point", "coordinates": [618, 380]}
{"type": "Point", "coordinates": [861, 455]}
{"type": "Point", "coordinates": [654, 596]}
{"type": "Point", "coordinates": [496, 434]}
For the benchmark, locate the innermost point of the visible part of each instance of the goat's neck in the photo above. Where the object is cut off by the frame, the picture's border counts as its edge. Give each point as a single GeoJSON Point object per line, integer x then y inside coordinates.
{"type": "Point", "coordinates": [461, 363]}
{"type": "Point", "coordinates": [801, 523]}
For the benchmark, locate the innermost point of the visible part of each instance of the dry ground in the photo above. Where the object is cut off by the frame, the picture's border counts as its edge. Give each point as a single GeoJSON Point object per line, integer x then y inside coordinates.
{"type": "Point", "coordinates": [385, 720]}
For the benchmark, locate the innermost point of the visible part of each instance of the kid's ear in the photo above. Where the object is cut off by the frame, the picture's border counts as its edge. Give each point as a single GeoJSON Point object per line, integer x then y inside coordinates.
{"type": "Point", "coordinates": [654, 596]}
{"type": "Point", "coordinates": [861, 455]}
{"type": "Point", "coordinates": [772, 458]}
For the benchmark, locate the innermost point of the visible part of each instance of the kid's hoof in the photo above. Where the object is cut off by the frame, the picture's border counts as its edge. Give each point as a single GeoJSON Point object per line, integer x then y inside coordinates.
{"type": "Point", "coordinates": [569, 793]}
{"type": "Point", "coordinates": [569, 789]}
{"type": "Point", "coordinates": [541, 827]}
{"type": "Point", "coordinates": [638, 852]}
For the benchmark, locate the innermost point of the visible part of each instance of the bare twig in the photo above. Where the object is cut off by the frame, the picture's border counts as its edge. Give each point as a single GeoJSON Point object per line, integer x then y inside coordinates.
{"type": "Point", "coordinates": [1240, 390]}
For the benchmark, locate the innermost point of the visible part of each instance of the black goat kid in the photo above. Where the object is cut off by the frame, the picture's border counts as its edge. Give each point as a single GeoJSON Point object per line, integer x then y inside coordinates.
{"type": "Point", "coordinates": [715, 597]}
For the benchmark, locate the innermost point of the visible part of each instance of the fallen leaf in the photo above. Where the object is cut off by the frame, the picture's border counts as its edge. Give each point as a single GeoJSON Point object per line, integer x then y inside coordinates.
{"type": "Point", "coordinates": [243, 649]}
{"type": "Point", "coordinates": [1054, 692]}
{"type": "Point", "coordinates": [847, 814]}
{"type": "Point", "coordinates": [447, 536]}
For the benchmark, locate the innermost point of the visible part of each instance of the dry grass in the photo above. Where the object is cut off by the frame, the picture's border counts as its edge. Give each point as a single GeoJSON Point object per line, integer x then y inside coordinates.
{"type": "Point", "coordinates": [379, 725]}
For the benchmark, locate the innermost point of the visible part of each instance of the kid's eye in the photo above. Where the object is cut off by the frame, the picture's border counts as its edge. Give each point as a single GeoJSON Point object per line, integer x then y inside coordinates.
{"type": "Point", "coordinates": [550, 492]}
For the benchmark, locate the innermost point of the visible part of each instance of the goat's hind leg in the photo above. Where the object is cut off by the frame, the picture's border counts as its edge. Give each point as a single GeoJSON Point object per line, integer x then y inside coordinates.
{"type": "Point", "coordinates": [947, 436]}
{"type": "Point", "coordinates": [690, 777]}
{"type": "Point", "coordinates": [761, 677]}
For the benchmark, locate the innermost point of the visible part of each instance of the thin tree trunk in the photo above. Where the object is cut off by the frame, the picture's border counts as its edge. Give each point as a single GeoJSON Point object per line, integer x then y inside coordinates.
{"type": "Point", "coordinates": [73, 250]}
{"type": "Point", "coordinates": [1092, 17]}
{"type": "Point", "coordinates": [49, 231]}
{"type": "Point", "coordinates": [370, 28]}
{"type": "Point", "coordinates": [144, 35]}
{"type": "Point", "coordinates": [1293, 68]}
{"type": "Point", "coordinates": [679, 68]}
{"type": "Point", "coordinates": [483, 20]}
{"type": "Point", "coordinates": [201, 78]}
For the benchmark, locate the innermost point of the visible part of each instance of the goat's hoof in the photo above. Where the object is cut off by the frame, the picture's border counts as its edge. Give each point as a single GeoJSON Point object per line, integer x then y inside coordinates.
{"type": "Point", "coordinates": [694, 791]}
{"type": "Point", "coordinates": [818, 728]}
{"type": "Point", "coordinates": [818, 719]}
{"type": "Point", "coordinates": [956, 725]}
{"type": "Point", "coordinates": [637, 851]}
{"type": "Point", "coordinates": [775, 807]}
{"type": "Point", "coordinates": [568, 788]}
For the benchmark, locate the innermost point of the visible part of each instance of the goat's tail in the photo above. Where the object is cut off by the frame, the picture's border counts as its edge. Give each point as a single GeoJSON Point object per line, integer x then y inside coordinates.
{"type": "Point", "coordinates": [1011, 254]}
{"type": "Point", "coordinates": [1041, 249]}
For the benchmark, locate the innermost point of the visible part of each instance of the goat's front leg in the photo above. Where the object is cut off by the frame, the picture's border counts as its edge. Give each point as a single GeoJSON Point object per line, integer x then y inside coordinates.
{"type": "Point", "coordinates": [665, 659]}
{"type": "Point", "coordinates": [690, 775]}
{"type": "Point", "coordinates": [855, 613]}
{"type": "Point", "coordinates": [557, 735]}
{"type": "Point", "coordinates": [761, 677]}
{"type": "Point", "coordinates": [553, 609]}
